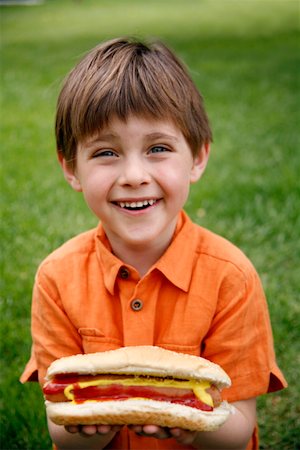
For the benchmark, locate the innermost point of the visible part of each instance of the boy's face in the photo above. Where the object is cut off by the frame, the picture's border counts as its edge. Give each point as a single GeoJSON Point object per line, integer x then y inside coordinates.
{"type": "Point", "coordinates": [135, 177]}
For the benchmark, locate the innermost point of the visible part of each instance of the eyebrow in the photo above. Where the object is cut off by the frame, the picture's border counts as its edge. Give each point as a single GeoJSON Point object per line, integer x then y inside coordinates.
{"type": "Point", "coordinates": [158, 135]}
{"type": "Point", "coordinates": [105, 137]}
{"type": "Point", "coordinates": [102, 137]}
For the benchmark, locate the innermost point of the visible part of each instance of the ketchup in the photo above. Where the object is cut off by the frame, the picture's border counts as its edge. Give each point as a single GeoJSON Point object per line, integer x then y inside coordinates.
{"type": "Point", "coordinates": [60, 382]}
{"type": "Point", "coordinates": [119, 392]}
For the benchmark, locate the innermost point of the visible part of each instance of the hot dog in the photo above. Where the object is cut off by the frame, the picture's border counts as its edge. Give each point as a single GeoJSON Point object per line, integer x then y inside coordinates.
{"type": "Point", "coordinates": [137, 385]}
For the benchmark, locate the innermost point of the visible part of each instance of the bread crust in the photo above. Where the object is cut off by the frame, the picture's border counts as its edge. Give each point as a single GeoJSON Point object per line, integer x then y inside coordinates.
{"type": "Point", "coordinates": [137, 412]}
{"type": "Point", "coordinates": [142, 360]}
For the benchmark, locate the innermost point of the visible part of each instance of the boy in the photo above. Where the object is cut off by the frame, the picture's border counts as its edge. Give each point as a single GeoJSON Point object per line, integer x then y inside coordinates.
{"type": "Point", "coordinates": [132, 134]}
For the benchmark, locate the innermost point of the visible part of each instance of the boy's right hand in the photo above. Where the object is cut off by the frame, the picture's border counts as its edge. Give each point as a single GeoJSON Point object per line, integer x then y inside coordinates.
{"type": "Point", "coordinates": [76, 436]}
{"type": "Point", "coordinates": [90, 430]}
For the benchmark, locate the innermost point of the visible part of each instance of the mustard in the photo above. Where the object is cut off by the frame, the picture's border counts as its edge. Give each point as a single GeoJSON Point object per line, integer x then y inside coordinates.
{"type": "Point", "coordinates": [198, 387]}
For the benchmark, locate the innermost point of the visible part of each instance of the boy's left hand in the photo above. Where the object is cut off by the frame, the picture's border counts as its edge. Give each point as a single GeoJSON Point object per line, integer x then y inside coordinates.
{"type": "Point", "coordinates": [184, 437]}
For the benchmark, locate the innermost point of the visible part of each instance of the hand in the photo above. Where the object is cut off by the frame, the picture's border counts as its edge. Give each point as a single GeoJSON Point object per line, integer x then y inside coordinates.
{"type": "Point", "coordinates": [184, 437]}
{"type": "Point", "coordinates": [90, 430]}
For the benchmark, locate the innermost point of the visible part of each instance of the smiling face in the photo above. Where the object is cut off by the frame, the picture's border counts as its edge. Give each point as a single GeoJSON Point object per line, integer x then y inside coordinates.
{"type": "Point", "coordinates": [135, 177]}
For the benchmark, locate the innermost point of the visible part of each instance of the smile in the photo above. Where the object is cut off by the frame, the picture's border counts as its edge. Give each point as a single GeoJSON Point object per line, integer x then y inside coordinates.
{"type": "Point", "coordinates": [136, 205]}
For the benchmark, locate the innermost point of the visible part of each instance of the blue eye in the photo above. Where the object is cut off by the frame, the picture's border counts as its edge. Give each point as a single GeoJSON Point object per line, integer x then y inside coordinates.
{"type": "Point", "coordinates": [104, 153]}
{"type": "Point", "coordinates": [159, 149]}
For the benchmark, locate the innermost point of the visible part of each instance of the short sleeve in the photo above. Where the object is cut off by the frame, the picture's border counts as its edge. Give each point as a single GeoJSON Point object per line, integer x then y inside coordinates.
{"type": "Point", "coordinates": [240, 337]}
{"type": "Point", "coordinates": [30, 372]}
{"type": "Point", "coordinates": [53, 335]}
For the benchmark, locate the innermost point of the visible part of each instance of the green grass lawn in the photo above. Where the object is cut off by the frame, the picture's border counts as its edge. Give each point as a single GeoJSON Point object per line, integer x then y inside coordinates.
{"type": "Point", "coordinates": [243, 56]}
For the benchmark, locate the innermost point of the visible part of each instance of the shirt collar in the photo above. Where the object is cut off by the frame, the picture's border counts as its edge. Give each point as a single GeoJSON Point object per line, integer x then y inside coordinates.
{"type": "Point", "coordinates": [176, 263]}
{"type": "Point", "coordinates": [178, 260]}
{"type": "Point", "coordinates": [109, 262]}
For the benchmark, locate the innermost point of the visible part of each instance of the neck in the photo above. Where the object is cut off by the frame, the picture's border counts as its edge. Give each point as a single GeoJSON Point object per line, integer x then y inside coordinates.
{"type": "Point", "coordinates": [140, 257]}
{"type": "Point", "coordinates": [143, 255]}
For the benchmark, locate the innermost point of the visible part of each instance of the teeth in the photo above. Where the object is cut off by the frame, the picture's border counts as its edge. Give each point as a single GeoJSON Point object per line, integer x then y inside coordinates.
{"type": "Point", "coordinates": [138, 204]}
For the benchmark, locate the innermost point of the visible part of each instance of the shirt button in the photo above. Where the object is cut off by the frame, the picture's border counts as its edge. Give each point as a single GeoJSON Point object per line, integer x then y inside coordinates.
{"type": "Point", "coordinates": [136, 304]}
{"type": "Point", "coordinates": [124, 273]}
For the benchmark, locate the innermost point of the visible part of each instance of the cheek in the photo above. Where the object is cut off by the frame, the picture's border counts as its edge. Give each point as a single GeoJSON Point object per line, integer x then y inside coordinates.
{"type": "Point", "coordinates": [175, 178]}
{"type": "Point", "coordinates": [176, 186]}
{"type": "Point", "coordinates": [97, 180]}
{"type": "Point", "coordinates": [95, 187]}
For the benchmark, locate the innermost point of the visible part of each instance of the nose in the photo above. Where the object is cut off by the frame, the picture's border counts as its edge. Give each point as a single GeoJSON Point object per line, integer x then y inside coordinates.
{"type": "Point", "coordinates": [134, 172]}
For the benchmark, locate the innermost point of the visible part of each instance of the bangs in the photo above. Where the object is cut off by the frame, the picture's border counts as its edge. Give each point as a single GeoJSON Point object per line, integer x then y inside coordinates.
{"type": "Point", "coordinates": [138, 93]}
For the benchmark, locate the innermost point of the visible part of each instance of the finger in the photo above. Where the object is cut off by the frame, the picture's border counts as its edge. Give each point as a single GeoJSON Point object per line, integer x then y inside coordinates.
{"type": "Point", "coordinates": [157, 432]}
{"type": "Point", "coordinates": [103, 429]}
{"type": "Point", "coordinates": [182, 436]}
{"type": "Point", "coordinates": [151, 429]}
{"type": "Point", "coordinates": [88, 430]}
{"type": "Point", "coordinates": [72, 428]}
{"type": "Point", "coordinates": [176, 432]}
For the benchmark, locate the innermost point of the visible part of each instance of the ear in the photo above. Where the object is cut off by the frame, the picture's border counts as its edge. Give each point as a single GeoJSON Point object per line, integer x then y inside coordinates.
{"type": "Point", "coordinates": [200, 163]}
{"type": "Point", "coordinates": [69, 173]}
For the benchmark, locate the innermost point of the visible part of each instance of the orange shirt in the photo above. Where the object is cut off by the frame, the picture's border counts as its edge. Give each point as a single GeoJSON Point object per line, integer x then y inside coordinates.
{"type": "Point", "coordinates": [202, 297]}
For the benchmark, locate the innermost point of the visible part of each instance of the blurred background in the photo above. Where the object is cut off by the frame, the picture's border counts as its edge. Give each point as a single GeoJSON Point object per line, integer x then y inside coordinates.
{"type": "Point", "coordinates": [244, 57]}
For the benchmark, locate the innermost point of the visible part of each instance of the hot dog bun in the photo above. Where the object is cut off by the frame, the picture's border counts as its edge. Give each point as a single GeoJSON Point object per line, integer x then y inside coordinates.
{"type": "Point", "coordinates": [142, 360]}
{"type": "Point", "coordinates": [137, 412]}
{"type": "Point", "coordinates": [147, 361]}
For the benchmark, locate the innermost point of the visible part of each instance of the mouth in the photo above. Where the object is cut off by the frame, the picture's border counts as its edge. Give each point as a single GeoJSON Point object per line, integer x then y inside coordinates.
{"type": "Point", "coordinates": [136, 205]}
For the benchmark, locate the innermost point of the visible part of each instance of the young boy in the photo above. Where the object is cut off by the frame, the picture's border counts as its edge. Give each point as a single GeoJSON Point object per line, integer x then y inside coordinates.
{"type": "Point", "coordinates": [132, 135]}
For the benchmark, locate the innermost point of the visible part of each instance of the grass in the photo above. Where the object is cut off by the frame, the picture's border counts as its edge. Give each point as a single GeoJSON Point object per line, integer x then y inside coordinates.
{"type": "Point", "coordinates": [243, 56]}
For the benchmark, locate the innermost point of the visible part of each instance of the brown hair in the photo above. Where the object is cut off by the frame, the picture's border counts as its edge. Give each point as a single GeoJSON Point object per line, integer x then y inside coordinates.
{"type": "Point", "coordinates": [122, 77]}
